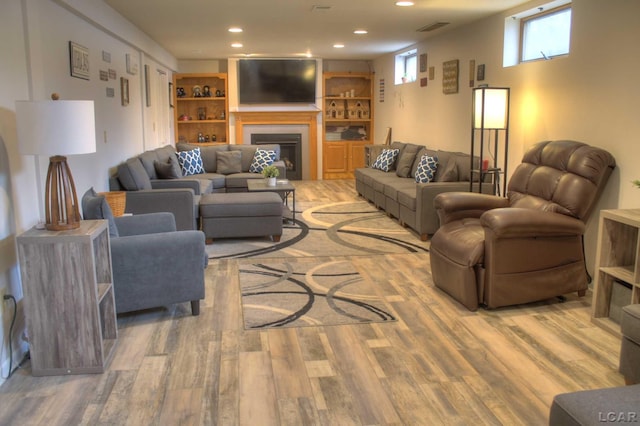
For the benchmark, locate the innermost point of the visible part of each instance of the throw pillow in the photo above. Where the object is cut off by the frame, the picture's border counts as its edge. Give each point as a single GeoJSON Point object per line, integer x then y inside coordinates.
{"type": "Point", "coordinates": [165, 170]}
{"type": "Point", "coordinates": [406, 159]}
{"type": "Point", "coordinates": [426, 169]}
{"type": "Point", "coordinates": [190, 162]}
{"type": "Point", "coordinates": [386, 159]}
{"type": "Point", "coordinates": [133, 176]}
{"type": "Point", "coordinates": [449, 173]}
{"type": "Point", "coordinates": [95, 206]}
{"type": "Point", "coordinates": [229, 162]}
{"type": "Point", "coordinates": [261, 159]}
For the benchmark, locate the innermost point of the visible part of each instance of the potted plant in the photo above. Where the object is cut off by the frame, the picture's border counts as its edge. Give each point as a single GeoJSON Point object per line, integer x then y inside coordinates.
{"type": "Point", "coordinates": [271, 173]}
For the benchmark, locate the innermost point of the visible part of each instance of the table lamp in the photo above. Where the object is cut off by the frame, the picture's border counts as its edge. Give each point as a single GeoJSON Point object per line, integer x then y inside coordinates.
{"type": "Point", "coordinates": [57, 128]}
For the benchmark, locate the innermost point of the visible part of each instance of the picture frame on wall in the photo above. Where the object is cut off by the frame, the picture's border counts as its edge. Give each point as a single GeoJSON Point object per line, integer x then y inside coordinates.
{"type": "Point", "coordinates": [124, 91]}
{"type": "Point", "coordinates": [79, 61]}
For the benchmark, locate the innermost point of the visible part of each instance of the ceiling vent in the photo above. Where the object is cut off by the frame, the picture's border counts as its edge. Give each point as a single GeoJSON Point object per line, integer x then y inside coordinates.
{"type": "Point", "coordinates": [320, 8]}
{"type": "Point", "coordinates": [432, 27]}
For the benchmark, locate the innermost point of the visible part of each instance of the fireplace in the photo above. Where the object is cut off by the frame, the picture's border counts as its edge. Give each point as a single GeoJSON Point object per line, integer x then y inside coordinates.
{"type": "Point", "coordinates": [290, 150]}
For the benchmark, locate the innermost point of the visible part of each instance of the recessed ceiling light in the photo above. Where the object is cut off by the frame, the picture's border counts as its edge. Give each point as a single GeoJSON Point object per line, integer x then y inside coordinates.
{"type": "Point", "coordinates": [360, 32]}
{"type": "Point", "coordinates": [404, 3]}
{"type": "Point", "coordinates": [235, 30]}
{"type": "Point", "coordinates": [236, 45]}
{"type": "Point", "coordinates": [338, 45]}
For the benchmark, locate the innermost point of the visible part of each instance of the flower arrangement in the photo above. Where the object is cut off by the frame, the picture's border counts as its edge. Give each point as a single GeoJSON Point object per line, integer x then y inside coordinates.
{"type": "Point", "coordinates": [270, 172]}
{"type": "Point", "coordinates": [636, 183]}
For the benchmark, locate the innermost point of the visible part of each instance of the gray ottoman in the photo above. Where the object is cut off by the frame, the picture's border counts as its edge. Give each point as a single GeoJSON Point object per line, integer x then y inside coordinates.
{"type": "Point", "coordinates": [241, 214]}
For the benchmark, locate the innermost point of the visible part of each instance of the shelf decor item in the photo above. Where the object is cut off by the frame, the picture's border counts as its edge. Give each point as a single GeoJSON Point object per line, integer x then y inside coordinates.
{"type": "Point", "coordinates": [490, 112]}
{"type": "Point", "coordinates": [52, 128]}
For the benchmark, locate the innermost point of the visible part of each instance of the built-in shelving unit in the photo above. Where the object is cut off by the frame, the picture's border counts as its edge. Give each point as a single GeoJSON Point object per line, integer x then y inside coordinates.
{"type": "Point", "coordinates": [201, 115]}
{"type": "Point", "coordinates": [347, 122]}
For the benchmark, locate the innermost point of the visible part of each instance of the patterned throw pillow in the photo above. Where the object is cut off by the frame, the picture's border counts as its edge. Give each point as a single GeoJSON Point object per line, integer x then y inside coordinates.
{"type": "Point", "coordinates": [426, 169]}
{"type": "Point", "coordinates": [386, 159]}
{"type": "Point", "coordinates": [190, 162]}
{"type": "Point", "coordinates": [261, 159]}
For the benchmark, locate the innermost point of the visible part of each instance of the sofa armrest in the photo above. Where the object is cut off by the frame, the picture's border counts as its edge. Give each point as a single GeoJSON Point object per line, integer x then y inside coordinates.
{"type": "Point", "coordinates": [192, 184]}
{"type": "Point", "coordinates": [150, 223]}
{"type": "Point", "coordinates": [522, 223]}
{"type": "Point", "coordinates": [180, 202]}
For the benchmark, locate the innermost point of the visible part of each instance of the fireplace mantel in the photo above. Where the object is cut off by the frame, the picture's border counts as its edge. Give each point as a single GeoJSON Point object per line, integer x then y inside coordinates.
{"type": "Point", "coordinates": [309, 118]}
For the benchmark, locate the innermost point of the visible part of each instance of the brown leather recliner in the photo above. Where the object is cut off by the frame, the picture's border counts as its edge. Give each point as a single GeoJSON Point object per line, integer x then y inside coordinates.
{"type": "Point", "coordinates": [527, 247]}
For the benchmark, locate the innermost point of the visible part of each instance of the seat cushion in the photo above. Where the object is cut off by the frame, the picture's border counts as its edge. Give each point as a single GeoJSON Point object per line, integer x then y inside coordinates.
{"type": "Point", "coordinates": [595, 407]}
{"type": "Point", "coordinates": [241, 204]}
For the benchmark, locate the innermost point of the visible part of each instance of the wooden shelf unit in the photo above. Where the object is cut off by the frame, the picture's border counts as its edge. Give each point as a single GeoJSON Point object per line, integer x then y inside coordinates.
{"type": "Point", "coordinates": [617, 258]}
{"type": "Point", "coordinates": [68, 298]}
{"type": "Point", "coordinates": [215, 108]}
{"type": "Point", "coordinates": [347, 104]}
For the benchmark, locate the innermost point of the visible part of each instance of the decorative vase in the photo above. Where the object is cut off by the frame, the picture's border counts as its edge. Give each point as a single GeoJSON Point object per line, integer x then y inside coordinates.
{"type": "Point", "coordinates": [271, 181]}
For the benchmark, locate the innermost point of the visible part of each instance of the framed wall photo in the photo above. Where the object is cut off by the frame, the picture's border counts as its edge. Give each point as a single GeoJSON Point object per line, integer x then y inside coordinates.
{"type": "Point", "coordinates": [79, 61]}
{"type": "Point", "coordinates": [423, 62]}
{"type": "Point", "coordinates": [450, 77]}
{"type": "Point", "coordinates": [124, 91]}
{"type": "Point", "coordinates": [480, 76]}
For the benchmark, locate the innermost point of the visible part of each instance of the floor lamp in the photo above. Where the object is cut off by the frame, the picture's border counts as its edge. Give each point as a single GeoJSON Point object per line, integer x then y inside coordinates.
{"type": "Point", "coordinates": [490, 112]}
{"type": "Point", "coordinates": [57, 128]}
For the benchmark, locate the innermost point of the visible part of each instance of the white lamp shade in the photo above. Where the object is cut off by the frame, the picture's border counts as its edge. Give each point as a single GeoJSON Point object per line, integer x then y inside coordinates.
{"type": "Point", "coordinates": [56, 127]}
{"type": "Point", "coordinates": [496, 102]}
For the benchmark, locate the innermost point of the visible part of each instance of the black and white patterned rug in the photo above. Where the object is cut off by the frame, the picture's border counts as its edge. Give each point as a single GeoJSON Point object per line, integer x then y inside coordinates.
{"type": "Point", "coordinates": [308, 293]}
{"type": "Point", "coordinates": [333, 229]}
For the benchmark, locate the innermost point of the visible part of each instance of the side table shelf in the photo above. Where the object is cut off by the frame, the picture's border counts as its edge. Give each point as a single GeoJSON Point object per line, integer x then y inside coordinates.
{"type": "Point", "coordinates": [617, 259]}
{"type": "Point", "coordinates": [68, 297]}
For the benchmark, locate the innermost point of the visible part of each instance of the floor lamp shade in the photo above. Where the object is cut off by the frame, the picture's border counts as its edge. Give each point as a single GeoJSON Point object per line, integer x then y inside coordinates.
{"type": "Point", "coordinates": [490, 108]}
{"type": "Point", "coordinates": [56, 129]}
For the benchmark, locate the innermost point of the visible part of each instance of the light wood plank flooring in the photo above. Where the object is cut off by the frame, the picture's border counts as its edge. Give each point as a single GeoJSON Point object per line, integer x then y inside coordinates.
{"type": "Point", "coordinates": [439, 364]}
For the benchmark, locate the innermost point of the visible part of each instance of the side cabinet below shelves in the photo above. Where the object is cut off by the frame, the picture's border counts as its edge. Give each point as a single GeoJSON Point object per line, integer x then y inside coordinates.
{"type": "Point", "coordinates": [68, 296]}
{"type": "Point", "coordinates": [617, 263]}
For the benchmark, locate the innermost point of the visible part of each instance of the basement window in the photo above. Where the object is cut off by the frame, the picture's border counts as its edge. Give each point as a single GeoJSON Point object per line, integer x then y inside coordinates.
{"type": "Point", "coordinates": [538, 34]}
{"type": "Point", "coordinates": [406, 67]}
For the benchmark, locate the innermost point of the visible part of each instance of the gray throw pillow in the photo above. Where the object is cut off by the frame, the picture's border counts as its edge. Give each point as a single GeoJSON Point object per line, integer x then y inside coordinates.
{"type": "Point", "coordinates": [133, 176]}
{"type": "Point", "coordinates": [229, 162]}
{"type": "Point", "coordinates": [95, 206]}
{"type": "Point", "coordinates": [165, 170]}
{"type": "Point", "coordinates": [448, 173]}
{"type": "Point", "coordinates": [406, 159]}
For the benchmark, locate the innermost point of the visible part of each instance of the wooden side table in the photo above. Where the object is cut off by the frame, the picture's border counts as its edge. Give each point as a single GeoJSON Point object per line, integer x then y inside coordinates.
{"type": "Point", "coordinates": [68, 297]}
{"type": "Point", "coordinates": [617, 259]}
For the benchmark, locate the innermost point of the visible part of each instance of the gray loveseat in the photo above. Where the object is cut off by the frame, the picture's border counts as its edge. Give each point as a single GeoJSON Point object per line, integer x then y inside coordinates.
{"type": "Point", "coordinates": [154, 182]}
{"type": "Point", "coordinates": [397, 193]}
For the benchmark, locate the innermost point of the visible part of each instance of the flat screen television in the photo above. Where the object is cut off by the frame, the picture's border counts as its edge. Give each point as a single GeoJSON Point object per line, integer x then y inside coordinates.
{"type": "Point", "coordinates": [277, 81]}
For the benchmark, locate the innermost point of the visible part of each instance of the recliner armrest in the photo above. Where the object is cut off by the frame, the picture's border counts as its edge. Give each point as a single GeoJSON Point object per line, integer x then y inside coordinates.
{"type": "Point", "coordinates": [519, 222]}
{"type": "Point", "coordinates": [459, 205]}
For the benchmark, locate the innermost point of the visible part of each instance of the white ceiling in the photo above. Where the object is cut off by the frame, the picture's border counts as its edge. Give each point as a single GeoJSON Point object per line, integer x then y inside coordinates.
{"type": "Point", "coordinates": [197, 29]}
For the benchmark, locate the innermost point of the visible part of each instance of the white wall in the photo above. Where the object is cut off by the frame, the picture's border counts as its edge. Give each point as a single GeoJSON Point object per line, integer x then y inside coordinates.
{"type": "Point", "coordinates": [590, 96]}
{"type": "Point", "coordinates": [34, 37]}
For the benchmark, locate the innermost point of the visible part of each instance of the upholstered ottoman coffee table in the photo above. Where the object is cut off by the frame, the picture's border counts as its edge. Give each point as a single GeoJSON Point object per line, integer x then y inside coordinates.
{"type": "Point", "coordinates": [241, 214]}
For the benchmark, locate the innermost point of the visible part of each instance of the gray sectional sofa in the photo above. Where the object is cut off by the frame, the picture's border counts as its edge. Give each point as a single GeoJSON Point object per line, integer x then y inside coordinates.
{"type": "Point", "coordinates": [397, 193]}
{"type": "Point", "coordinates": [153, 180]}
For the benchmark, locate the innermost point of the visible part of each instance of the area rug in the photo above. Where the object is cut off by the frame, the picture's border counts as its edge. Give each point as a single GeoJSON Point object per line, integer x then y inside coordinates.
{"type": "Point", "coordinates": [335, 229]}
{"type": "Point", "coordinates": [308, 293]}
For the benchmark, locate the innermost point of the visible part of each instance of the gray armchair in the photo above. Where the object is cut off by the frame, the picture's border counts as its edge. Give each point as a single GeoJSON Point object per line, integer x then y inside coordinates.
{"type": "Point", "coordinates": [153, 264]}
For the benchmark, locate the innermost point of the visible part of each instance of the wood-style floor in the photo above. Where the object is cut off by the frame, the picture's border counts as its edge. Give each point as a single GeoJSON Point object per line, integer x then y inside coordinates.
{"type": "Point", "coordinates": [439, 364]}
